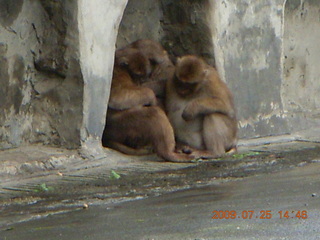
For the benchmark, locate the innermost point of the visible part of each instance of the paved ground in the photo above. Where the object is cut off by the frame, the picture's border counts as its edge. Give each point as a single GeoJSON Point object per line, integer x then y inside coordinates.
{"type": "Point", "coordinates": [279, 172]}
{"type": "Point", "coordinates": [283, 205]}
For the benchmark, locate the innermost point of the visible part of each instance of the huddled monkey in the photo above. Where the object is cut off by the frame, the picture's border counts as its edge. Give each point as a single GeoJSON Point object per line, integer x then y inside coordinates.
{"type": "Point", "coordinates": [161, 66]}
{"type": "Point", "coordinates": [200, 108]}
{"type": "Point", "coordinates": [135, 124]}
{"type": "Point", "coordinates": [131, 69]}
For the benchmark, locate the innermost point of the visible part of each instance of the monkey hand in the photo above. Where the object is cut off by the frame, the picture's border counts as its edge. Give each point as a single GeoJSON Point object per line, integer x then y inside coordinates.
{"type": "Point", "coordinates": [188, 113]}
{"type": "Point", "coordinates": [149, 98]}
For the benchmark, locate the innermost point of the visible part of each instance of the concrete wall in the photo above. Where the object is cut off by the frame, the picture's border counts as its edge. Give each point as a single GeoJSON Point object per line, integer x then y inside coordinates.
{"type": "Point", "coordinates": [141, 19]}
{"type": "Point", "coordinates": [266, 51]}
{"type": "Point", "coordinates": [301, 53]}
{"type": "Point", "coordinates": [40, 77]}
{"type": "Point", "coordinates": [97, 47]}
{"type": "Point", "coordinates": [182, 27]}
{"type": "Point", "coordinates": [56, 60]}
{"type": "Point", "coordinates": [248, 44]}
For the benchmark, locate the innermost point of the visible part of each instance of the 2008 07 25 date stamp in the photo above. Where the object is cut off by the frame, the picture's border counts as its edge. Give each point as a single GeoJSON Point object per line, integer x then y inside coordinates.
{"type": "Point", "coordinates": [263, 214]}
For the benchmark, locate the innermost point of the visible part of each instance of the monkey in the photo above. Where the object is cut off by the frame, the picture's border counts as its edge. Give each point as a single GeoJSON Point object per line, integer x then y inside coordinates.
{"type": "Point", "coordinates": [200, 108]}
{"type": "Point", "coordinates": [135, 124]}
{"type": "Point", "coordinates": [140, 131]}
{"type": "Point", "coordinates": [150, 67]}
{"type": "Point", "coordinates": [130, 70]}
{"type": "Point", "coordinates": [161, 66]}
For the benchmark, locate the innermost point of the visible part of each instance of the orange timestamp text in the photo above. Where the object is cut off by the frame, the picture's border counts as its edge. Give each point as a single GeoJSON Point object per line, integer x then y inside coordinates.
{"type": "Point", "coordinates": [263, 214]}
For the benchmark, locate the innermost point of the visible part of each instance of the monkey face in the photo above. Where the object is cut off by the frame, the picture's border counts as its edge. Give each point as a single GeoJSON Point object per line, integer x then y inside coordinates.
{"type": "Point", "coordinates": [185, 88]}
{"type": "Point", "coordinates": [140, 70]}
{"type": "Point", "coordinates": [137, 65]}
{"type": "Point", "coordinates": [189, 76]}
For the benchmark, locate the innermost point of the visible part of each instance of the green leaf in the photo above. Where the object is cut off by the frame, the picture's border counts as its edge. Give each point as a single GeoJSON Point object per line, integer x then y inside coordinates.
{"type": "Point", "coordinates": [114, 175]}
{"type": "Point", "coordinates": [243, 155]}
{"type": "Point", "coordinates": [43, 188]}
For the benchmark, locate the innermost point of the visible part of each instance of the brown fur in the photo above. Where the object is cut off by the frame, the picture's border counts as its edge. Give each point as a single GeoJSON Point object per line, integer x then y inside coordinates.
{"type": "Point", "coordinates": [162, 68]}
{"type": "Point", "coordinates": [140, 131]}
{"type": "Point", "coordinates": [131, 69]}
{"type": "Point", "coordinates": [134, 125]}
{"type": "Point", "coordinates": [200, 108]}
{"type": "Point", "coordinates": [136, 63]}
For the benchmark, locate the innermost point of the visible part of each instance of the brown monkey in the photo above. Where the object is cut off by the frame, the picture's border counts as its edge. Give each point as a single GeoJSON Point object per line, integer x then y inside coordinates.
{"type": "Point", "coordinates": [133, 124]}
{"type": "Point", "coordinates": [162, 68]}
{"type": "Point", "coordinates": [149, 67]}
{"type": "Point", "coordinates": [200, 108]}
{"type": "Point", "coordinates": [141, 130]}
{"type": "Point", "coordinates": [131, 68]}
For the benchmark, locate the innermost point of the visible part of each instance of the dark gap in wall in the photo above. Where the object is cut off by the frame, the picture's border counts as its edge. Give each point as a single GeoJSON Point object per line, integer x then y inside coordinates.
{"type": "Point", "coordinates": [182, 27]}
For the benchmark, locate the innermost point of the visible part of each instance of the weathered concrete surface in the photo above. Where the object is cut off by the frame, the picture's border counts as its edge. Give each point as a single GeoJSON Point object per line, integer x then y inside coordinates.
{"type": "Point", "coordinates": [141, 19]}
{"type": "Point", "coordinates": [46, 96]}
{"type": "Point", "coordinates": [265, 51]}
{"type": "Point", "coordinates": [247, 36]}
{"type": "Point", "coordinates": [188, 214]}
{"type": "Point", "coordinates": [57, 182]}
{"type": "Point", "coordinates": [182, 27]}
{"type": "Point", "coordinates": [97, 47]}
{"type": "Point", "coordinates": [40, 160]}
{"type": "Point", "coordinates": [41, 84]}
{"type": "Point", "coordinates": [301, 80]}
{"type": "Point", "coordinates": [57, 57]}
{"type": "Point", "coordinates": [186, 28]}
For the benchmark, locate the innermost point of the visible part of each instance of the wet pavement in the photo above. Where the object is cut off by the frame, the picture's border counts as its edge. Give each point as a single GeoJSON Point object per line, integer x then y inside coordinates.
{"type": "Point", "coordinates": [172, 201]}
{"type": "Point", "coordinates": [254, 203]}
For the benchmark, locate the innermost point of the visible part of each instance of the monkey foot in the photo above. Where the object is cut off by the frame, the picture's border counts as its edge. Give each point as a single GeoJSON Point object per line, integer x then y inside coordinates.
{"type": "Point", "coordinates": [180, 158]}
{"type": "Point", "coordinates": [232, 151]}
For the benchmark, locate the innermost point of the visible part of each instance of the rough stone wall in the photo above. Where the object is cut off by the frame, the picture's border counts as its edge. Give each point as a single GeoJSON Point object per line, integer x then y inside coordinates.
{"type": "Point", "coordinates": [301, 54]}
{"type": "Point", "coordinates": [40, 77]}
{"type": "Point", "coordinates": [141, 19]}
{"type": "Point", "coordinates": [248, 46]}
{"type": "Point", "coordinates": [182, 27]}
{"type": "Point", "coordinates": [186, 28]}
{"type": "Point", "coordinates": [56, 60]}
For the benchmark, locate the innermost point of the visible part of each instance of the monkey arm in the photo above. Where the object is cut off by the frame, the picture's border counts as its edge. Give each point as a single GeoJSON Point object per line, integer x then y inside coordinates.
{"type": "Point", "coordinates": [205, 106]}
{"type": "Point", "coordinates": [163, 71]}
{"type": "Point", "coordinates": [129, 97]}
{"type": "Point", "coordinates": [158, 87]}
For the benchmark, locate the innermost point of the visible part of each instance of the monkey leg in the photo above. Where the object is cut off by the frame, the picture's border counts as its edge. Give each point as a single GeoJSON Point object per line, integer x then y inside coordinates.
{"type": "Point", "coordinates": [196, 153]}
{"type": "Point", "coordinates": [129, 150]}
{"type": "Point", "coordinates": [140, 126]}
{"type": "Point", "coordinates": [219, 133]}
{"type": "Point", "coordinates": [162, 136]}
